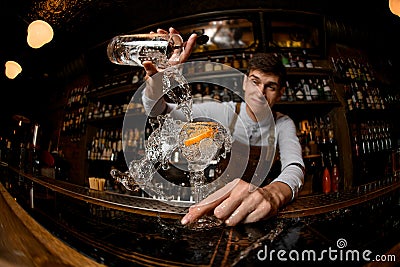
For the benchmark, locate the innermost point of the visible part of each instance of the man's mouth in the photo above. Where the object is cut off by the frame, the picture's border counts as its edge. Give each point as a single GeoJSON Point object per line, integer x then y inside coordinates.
{"type": "Point", "coordinates": [259, 101]}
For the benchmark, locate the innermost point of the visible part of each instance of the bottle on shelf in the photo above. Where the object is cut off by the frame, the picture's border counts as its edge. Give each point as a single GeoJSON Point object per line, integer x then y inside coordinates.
{"type": "Point", "coordinates": [327, 90]}
{"type": "Point", "coordinates": [226, 96]}
{"type": "Point", "coordinates": [326, 181]}
{"type": "Point", "coordinates": [207, 94]}
{"type": "Point", "coordinates": [244, 61]}
{"type": "Point", "coordinates": [216, 95]}
{"type": "Point", "coordinates": [306, 90]}
{"type": "Point", "coordinates": [299, 92]}
{"type": "Point", "coordinates": [227, 62]}
{"type": "Point", "coordinates": [285, 60]}
{"type": "Point", "coordinates": [197, 94]}
{"type": "Point", "coordinates": [292, 61]}
{"type": "Point", "coordinates": [308, 62]}
{"type": "Point", "coordinates": [300, 62]}
{"type": "Point", "coordinates": [208, 66]}
{"type": "Point", "coordinates": [313, 90]}
{"type": "Point", "coordinates": [335, 179]}
{"type": "Point", "coordinates": [289, 92]}
{"type": "Point", "coordinates": [236, 62]}
{"type": "Point", "coordinates": [218, 65]}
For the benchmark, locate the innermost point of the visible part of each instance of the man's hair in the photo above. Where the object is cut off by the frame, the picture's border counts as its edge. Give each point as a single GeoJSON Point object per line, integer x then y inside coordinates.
{"type": "Point", "coordinates": [268, 63]}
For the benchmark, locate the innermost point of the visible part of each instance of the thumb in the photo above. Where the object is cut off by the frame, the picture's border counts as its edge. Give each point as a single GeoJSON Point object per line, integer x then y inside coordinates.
{"type": "Point", "coordinates": [149, 68]}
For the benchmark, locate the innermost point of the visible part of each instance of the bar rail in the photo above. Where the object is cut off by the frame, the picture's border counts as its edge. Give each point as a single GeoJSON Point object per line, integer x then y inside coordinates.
{"type": "Point", "coordinates": [302, 206]}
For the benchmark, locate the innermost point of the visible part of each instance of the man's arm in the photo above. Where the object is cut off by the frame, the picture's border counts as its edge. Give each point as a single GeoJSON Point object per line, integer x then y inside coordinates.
{"type": "Point", "coordinates": [292, 173]}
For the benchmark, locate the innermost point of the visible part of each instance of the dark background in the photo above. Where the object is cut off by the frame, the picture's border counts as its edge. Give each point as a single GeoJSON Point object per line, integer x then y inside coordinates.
{"type": "Point", "coordinates": [82, 25]}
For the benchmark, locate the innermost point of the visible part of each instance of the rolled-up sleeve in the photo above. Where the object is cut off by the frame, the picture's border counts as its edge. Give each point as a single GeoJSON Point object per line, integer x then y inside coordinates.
{"type": "Point", "coordinates": [292, 172]}
{"type": "Point", "coordinates": [153, 107]}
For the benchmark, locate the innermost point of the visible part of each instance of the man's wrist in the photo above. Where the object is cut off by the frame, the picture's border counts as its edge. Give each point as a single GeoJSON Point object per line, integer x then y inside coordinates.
{"type": "Point", "coordinates": [280, 191]}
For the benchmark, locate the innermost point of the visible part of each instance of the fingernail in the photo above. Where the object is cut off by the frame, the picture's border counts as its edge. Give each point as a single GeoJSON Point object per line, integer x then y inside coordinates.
{"type": "Point", "coordinates": [185, 219]}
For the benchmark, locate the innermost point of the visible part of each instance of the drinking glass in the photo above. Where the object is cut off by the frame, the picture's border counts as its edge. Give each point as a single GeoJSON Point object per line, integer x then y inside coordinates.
{"type": "Point", "coordinates": [201, 143]}
{"type": "Point", "coordinates": [134, 49]}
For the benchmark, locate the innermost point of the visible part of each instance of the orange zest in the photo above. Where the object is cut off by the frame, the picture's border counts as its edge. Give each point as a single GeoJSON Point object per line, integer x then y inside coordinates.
{"type": "Point", "coordinates": [195, 139]}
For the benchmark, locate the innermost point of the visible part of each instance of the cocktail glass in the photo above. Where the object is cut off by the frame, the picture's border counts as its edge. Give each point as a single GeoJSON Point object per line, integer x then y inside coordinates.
{"type": "Point", "coordinates": [200, 144]}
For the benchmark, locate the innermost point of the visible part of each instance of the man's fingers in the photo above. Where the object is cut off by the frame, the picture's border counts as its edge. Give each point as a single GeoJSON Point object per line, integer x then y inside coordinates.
{"type": "Point", "coordinates": [173, 31]}
{"type": "Point", "coordinates": [188, 47]}
{"type": "Point", "coordinates": [195, 212]}
{"type": "Point", "coordinates": [150, 68]}
{"type": "Point", "coordinates": [161, 31]}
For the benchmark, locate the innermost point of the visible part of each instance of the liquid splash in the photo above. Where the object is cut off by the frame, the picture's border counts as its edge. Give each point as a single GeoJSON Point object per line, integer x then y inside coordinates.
{"type": "Point", "coordinates": [169, 135]}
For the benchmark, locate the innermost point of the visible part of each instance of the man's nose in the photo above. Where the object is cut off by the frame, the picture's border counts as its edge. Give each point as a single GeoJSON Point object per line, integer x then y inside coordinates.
{"type": "Point", "coordinates": [263, 89]}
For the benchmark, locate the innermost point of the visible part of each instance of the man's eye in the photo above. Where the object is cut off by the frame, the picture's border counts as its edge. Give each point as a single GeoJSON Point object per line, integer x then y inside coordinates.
{"type": "Point", "coordinates": [272, 86]}
{"type": "Point", "coordinates": [255, 82]}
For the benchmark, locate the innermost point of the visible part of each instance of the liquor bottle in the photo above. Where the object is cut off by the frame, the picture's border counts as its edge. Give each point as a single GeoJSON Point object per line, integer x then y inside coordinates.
{"type": "Point", "coordinates": [208, 66]}
{"type": "Point", "coordinates": [226, 96]}
{"type": "Point", "coordinates": [218, 65]}
{"type": "Point", "coordinates": [236, 94]}
{"type": "Point", "coordinates": [306, 90]}
{"type": "Point", "coordinates": [244, 61]}
{"type": "Point", "coordinates": [327, 90]}
{"type": "Point", "coordinates": [326, 181]}
{"type": "Point", "coordinates": [307, 59]}
{"type": "Point", "coordinates": [317, 133]}
{"type": "Point", "coordinates": [356, 103]}
{"type": "Point", "coordinates": [292, 61]}
{"type": "Point", "coordinates": [197, 95]}
{"type": "Point", "coordinates": [120, 151]}
{"type": "Point", "coordinates": [300, 62]}
{"type": "Point", "coordinates": [335, 179]}
{"type": "Point", "coordinates": [313, 90]}
{"type": "Point", "coordinates": [216, 93]}
{"type": "Point", "coordinates": [285, 61]}
{"type": "Point", "coordinates": [191, 67]}
{"type": "Point", "coordinates": [236, 62]}
{"type": "Point", "coordinates": [320, 89]}
{"type": "Point", "coordinates": [333, 148]}
{"type": "Point", "coordinates": [367, 97]}
{"type": "Point", "coordinates": [360, 96]}
{"type": "Point", "coordinates": [207, 94]}
{"type": "Point", "coordinates": [227, 63]}
{"type": "Point", "coordinates": [356, 146]}
{"type": "Point", "coordinates": [299, 92]}
{"type": "Point", "coordinates": [289, 92]}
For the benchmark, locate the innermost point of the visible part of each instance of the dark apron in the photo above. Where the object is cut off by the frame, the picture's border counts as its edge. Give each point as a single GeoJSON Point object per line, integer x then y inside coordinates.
{"type": "Point", "coordinates": [247, 158]}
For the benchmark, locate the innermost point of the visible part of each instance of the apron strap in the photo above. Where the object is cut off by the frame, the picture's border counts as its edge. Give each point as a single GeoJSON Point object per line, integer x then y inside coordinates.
{"type": "Point", "coordinates": [233, 122]}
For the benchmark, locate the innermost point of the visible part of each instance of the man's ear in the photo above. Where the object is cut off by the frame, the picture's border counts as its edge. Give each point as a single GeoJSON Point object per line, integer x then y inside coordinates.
{"type": "Point", "coordinates": [281, 92]}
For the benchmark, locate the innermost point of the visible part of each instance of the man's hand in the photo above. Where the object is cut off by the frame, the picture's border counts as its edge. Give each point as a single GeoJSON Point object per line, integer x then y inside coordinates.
{"type": "Point", "coordinates": [151, 69]}
{"type": "Point", "coordinates": [239, 201]}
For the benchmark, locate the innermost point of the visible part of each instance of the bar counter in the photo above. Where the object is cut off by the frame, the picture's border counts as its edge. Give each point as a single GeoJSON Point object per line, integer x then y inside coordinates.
{"type": "Point", "coordinates": [114, 229]}
{"type": "Point", "coordinates": [24, 242]}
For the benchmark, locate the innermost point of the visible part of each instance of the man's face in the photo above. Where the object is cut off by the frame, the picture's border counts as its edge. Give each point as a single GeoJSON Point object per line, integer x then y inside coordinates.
{"type": "Point", "coordinates": [260, 90]}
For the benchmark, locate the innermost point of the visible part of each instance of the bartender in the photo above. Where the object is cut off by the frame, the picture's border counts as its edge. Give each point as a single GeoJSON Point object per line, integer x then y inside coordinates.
{"type": "Point", "coordinates": [239, 201]}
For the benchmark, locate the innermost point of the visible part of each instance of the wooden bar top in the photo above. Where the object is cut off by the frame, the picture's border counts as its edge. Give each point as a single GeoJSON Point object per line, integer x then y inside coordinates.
{"type": "Point", "coordinates": [26, 243]}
